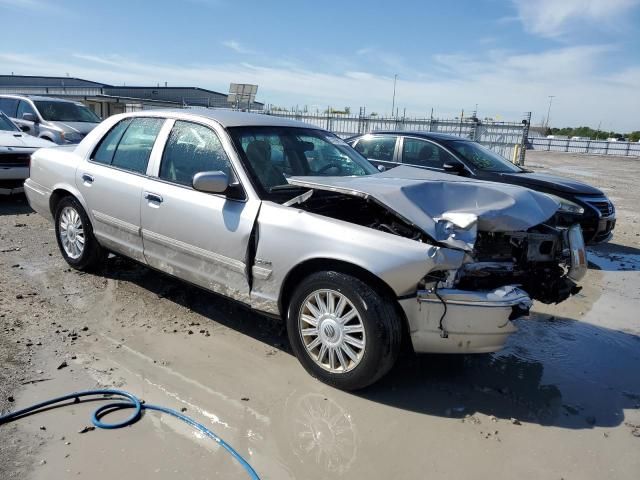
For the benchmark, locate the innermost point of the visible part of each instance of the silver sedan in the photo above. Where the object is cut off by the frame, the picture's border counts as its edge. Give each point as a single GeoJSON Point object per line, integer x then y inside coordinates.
{"type": "Point", "coordinates": [290, 220]}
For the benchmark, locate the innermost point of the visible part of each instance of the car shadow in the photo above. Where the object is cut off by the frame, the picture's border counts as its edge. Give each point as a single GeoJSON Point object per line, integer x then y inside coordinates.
{"type": "Point", "coordinates": [14, 205]}
{"type": "Point", "coordinates": [554, 372]}
{"type": "Point", "coordinates": [614, 257]}
{"type": "Point", "coordinates": [212, 306]}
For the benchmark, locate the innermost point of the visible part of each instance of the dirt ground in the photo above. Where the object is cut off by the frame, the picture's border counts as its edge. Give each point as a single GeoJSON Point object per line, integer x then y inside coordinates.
{"type": "Point", "coordinates": [562, 400]}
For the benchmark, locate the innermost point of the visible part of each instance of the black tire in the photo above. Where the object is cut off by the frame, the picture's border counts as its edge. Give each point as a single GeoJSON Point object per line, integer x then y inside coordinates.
{"type": "Point", "coordinates": [93, 255]}
{"type": "Point", "coordinates": [378, 315]}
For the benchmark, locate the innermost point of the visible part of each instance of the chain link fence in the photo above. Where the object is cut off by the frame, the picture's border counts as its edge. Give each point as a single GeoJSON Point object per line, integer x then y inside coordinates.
{"type": "Point", "coordinates": [590, 147]}
{"type": "Point", "coordinates": [504, 138]}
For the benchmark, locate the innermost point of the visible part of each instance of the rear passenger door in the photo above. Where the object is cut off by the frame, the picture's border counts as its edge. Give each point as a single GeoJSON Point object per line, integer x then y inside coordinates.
{"type": "Point", "coordinates": [111, 179]}
{"type": "Point", "coordinates": [200, 237]}
{"type": "Point", "coordinates": [379, 149]}
{"type": "Point", "coordinates": [423, 153]}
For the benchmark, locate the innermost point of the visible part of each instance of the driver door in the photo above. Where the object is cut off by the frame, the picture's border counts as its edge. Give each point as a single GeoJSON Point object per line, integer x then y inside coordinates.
{"type": "Point", "coordinates": [200, 237]}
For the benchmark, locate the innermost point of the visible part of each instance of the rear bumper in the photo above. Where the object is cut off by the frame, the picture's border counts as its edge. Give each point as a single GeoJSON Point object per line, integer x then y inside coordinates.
{"type": "Point", "coordinates": [38, 197]}
{"type": "Point", "coordinates": [475, 322]}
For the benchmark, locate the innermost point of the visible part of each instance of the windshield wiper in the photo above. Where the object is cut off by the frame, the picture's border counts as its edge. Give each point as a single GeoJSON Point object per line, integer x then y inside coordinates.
{"type": "Point", "coordinates": [277, 188]}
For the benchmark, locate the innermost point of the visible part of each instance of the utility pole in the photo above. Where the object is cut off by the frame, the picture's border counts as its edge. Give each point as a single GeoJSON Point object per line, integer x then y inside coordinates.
{"type": "Point", "coordinates": [393, 103]}
{"type": "Point", "coordinates": [551, 97]}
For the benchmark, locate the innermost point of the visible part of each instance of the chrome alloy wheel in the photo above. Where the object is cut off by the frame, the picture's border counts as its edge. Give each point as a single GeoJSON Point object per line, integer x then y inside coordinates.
{"type": "Point", "coordinates": [332, 331]}
{"type": "Point", "coordinates": [71, 232]}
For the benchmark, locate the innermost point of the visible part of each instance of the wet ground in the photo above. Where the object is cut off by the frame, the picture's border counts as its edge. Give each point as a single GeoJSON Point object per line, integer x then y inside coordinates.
{"type": "Point", "coordinates": [562, 400]}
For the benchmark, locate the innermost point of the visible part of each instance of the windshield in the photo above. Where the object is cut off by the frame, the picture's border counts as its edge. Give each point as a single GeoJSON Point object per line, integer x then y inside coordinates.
{"type": "Point", "coordinates": [65, 112]}
{"type": "Point", "coordinates": [273, 153]}
{"type": "Point", "coordinates": [6, 124]}
{"type": "Point", "coordinates": [482, 158]}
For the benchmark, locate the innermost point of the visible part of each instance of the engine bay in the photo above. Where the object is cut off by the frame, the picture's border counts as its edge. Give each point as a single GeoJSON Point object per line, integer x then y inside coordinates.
{"type": "Point", "coordinates": [536, 259]}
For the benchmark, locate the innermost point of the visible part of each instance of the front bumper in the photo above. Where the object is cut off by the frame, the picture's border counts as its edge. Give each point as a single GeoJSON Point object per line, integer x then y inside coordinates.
{"type": "Point", "coordinates": [479, 321]}
{"type": "Point", "coordinates": [598, 221]}
{"type": "Point", "coordinates": [475, 322]}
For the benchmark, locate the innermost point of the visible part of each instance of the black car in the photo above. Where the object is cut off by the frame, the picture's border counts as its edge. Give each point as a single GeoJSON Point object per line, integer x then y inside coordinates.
{"type": "Point", "coordinates": [579, 202]}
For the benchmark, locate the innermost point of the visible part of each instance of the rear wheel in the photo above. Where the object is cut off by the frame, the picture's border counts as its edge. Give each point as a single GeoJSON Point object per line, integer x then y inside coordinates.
{"type": "Point", "coordinates": [75, 237]}
{"type": "Point", "coordinates": [342, 331]}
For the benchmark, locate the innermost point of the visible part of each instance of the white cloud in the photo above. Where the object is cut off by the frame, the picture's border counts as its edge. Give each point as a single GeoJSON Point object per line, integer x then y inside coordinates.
{"type": "Point", "coordinates": [237, 47]}
{"type": "Point", "coordinates": [502, 83]}
{"type": "Point", "coordinates": [553, 18]}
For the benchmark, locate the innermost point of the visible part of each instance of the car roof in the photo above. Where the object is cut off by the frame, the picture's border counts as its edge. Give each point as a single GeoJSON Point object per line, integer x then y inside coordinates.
{"type": "Point", "coordinates": [39, 97]}
{"type": "Point", "coordinates": [227, 118]}
{"type": "Point", "coordinates": [417, 133]}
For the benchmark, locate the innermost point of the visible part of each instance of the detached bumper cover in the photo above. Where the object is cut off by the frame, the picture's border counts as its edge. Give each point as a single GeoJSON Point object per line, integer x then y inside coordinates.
{"type": "Point", "coordinates": [475, 322]}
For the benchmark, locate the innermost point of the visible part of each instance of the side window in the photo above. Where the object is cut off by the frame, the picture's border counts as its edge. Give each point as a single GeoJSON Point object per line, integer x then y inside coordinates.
{"type": "Point", "coordinates": [424, 154]}
{"type": "Point", "coordinates": [135, 145]}
{"type": "Point", "coordinates": [9, 106]}
{"type": "Point", "coordinates": [190, 149]}
{"type": "Point", "coordinates": [377, 148]}
{"type": "Point", "coordinates": [24, 107]}
{"type": "Point", "coordinates": [106, 149]}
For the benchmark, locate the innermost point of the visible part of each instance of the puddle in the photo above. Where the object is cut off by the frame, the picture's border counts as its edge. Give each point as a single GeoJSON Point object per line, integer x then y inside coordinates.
{"type": "Point", "coordinates": [614, 260]}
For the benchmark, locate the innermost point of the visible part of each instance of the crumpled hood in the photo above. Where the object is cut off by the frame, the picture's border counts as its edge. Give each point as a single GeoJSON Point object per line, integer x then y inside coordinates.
{"type": "Point", "coordinates": [448, 208]}
{"type": "Point", "coordinates": [22, 140]}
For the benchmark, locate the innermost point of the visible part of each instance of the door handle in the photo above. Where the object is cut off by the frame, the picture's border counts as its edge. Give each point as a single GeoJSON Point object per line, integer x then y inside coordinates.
{"type": "Point", "coordinates": [86, 178]}
{"type": "Point", "coordinates": [153, 197]}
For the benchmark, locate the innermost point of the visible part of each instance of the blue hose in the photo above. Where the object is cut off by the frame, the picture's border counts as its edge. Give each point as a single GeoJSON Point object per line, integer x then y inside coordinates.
{"type": "Point", "coordinates": [131, 402]}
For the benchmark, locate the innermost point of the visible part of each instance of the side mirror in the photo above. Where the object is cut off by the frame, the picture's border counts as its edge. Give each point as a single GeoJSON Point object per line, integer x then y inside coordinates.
{"type": "Point", "coordinates": [211, 182]}
{"type": "Point", "coordinates": [29, 117]}
{"type": "Point", "coordinates": [25, 128]}
{"type": "Point", "coordinates": [382, 168]}
{"type": "Point", "coordinates": [453, 167]}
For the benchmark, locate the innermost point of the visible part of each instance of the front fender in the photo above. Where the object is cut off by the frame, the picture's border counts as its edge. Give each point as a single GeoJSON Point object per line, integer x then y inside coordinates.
{"type": "Point", "coordinates": [288, 237]}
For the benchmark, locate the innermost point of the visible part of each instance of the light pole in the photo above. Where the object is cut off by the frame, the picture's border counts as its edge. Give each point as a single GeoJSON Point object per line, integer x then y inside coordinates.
{"type": "Point", "coordinates": [549, 109]}
{"type": "Point", "coordinates": [393, 103]}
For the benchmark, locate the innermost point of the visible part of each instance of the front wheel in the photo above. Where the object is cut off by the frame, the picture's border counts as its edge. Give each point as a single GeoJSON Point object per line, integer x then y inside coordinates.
{"type": "Point", "coordinates": [75, 237]}
{"type": "Point", "coordinates": [342, 331]}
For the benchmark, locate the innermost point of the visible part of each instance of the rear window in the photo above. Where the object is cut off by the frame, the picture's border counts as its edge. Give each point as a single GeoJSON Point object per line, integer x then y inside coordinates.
{"type": "Point", "coordinates": [128, 145]}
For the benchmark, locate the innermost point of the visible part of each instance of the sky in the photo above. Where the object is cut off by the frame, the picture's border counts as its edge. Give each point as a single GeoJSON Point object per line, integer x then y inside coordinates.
{"type": "Point", "coordinates": [506, 56]}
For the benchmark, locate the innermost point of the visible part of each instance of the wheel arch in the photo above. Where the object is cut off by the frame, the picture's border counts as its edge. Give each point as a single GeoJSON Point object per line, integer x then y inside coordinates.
{"type": "Point", "coordinates": [313, 265]}
{"type": "Point", "coordinates": [61, 191]}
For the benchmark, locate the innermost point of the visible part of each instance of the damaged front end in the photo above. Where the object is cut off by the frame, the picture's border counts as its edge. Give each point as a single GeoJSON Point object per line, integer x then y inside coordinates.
{"type": "Point", "coordinates": [544, 261]}
{"type": "Point", "coordinates": [511, 254]}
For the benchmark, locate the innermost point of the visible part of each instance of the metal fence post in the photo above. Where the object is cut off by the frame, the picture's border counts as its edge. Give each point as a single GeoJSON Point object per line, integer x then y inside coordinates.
{"type": "Point", "coordinates": [525, 137]}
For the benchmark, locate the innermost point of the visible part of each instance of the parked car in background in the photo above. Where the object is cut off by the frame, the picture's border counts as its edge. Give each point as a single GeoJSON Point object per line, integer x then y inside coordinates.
{"type": "Point", "coordinates": [15, 151]}
{"type": "Point", "coordinates": [57, 120]}
{"type": "Point", "coordinates": [291, 221]}
{"type": "Point", "coordinates": [579, 202]}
